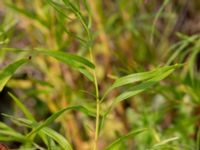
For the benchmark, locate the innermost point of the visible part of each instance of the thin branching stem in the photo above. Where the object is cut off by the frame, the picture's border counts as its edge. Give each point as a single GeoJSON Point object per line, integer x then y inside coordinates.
{"type": "Point", "coordinates": [97, 105]}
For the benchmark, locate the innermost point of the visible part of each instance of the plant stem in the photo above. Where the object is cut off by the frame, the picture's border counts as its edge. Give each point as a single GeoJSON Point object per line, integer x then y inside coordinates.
{"type": "Point", "coordinates": [97, 125]}
{"type": "Point", "coordinates": [97, 105]}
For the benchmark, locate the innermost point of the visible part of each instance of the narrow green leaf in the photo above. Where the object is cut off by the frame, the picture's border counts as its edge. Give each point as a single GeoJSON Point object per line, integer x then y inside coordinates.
{"type": "Point", "coordinates": [42, 83]}
{"type": "Point", "coordinates": [28, 14]}
{"type": "Point", "coordinates": [165, 142]}
{"type": "Point", "coordinates": [180, 46]}
{"type": "Point", "coordinates": [42, 133]}
{"type": "Point", "coordinates": [76, 11]}
{"type": "Point", "coordinates": [9, 70]}
{"type": "Point", "coordinates": [61, 17]}
{"type": "Point", "coordinates": [87, 74]}
{"type": "Point", "coordinates": [159, 75]}
{"type": "Point", "coordinates": [35, 92]}
{"type": "Point", "coordinates": [57, 137]}
{"type": "Point", "coordinates": [115, 145]}
{"type": "Point", "coordinates": [59, 113]}
{"type": "Point", "coordinates": [15, 136]}
{"type": "Point", "coordinates": [4, 126]}
{"type": "Point", "coordinates": [143, 86]}
{"type": "Point", "coordinates": [137, 77]}
{"type": "Point", "coordinates": [59, 8]}
{"type": "Point", "coordinates": [134, 91]}
{"type": "Point", "coordinates": [132, 78]}
{"type": "Point", "coordinates": [67, 58]}
{"type": "Point", "coordinates": [158, 14]}
{"type": "Point", "coordinates": [74, 61]}
{"type": "Point", "coordinates": [8, 134]}
{"type": "Point", "coordinates": [26, 112]}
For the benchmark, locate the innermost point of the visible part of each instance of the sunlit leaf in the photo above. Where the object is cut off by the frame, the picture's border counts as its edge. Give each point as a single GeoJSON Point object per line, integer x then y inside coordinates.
{"type": "Point", "coordinates": [165, 142]}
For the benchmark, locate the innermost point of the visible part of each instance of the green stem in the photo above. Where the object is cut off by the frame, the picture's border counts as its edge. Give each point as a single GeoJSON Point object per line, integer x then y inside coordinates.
{"type": "Point", "coordinates": [97, 126]}
{"type": "Point", "coordinates": [97, 106]}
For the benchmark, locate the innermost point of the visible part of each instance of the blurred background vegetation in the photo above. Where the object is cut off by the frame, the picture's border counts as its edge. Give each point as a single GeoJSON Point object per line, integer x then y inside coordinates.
{"type": "Point", "coordinates": [126, 36]}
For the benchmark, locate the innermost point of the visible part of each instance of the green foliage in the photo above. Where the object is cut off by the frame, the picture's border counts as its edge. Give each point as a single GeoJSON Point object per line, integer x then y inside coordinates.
{"type": "Point", "coordinates": [111, 75]}
{"type": "Point", "coordinates": [7, 72]}
{"type": "Point", "coordinates": [116, 144]}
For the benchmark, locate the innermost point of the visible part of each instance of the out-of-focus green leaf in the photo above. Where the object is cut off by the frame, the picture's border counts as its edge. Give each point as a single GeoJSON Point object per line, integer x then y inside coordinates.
{"type": "Point", "coordinates": [63, 143]}
{"type": "Point", "coordinates": [87, 74]}
{"type": "Point", "coordinates": [59, 113]}
{"type": "Point", "coordinates": [116, 144]}
{"type": "Point", "coordinates": [165, 142]}
{"type": "Point", "coordinates": [5, 41]}
{"type": "Point", "coordinates": [74, 61]}
{"type": "Point", "coordinates": [179, 47]}
{"type": "Point", "coordinates": [28, 14]}
{"type": "Point", "coordinates": [26, 112]}
{"type": "Point", "coordinates": [57, 137]}
{"type": "Point", "coordinates": [67, 58]}
{"type": "Point", "coordinates": [79, 15]}
{"type": "Point", "coordinates": [42, 83]}
{"type": "Point", "coordinates": [8, 134]}
{"type": "Point", "coordinates": [9, 70]}
{"type": "Point", "coordinates": [158, 14]}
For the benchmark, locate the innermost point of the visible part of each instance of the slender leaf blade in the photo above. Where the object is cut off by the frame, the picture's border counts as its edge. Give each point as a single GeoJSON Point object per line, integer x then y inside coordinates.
{"type": "Point", "coordinates": [57, 114]}
{"type": "Point", "coordinates": [68, 58]}
{"type": "Point", "coordinates": [143, 86]}
{"type": "Point", "coordinates": [58, 138]}
{"type": "Point", "coordinates": [74, 61]}
{"type": "Point", "coordinates": [158, 76]}
{"type": "Point", "coordinates": [26, 112]}
{"type": "Point", "coordinates": [63, 143]}
{"type": "Point", "coordinates": [8, 71]}
{"type": "Point", "coordinates": [8, 134]}
{"type": "Point", "coordinates": [164, 142]}
{"type": "Point", "coordinates": [114, 145]}
{"type": "Point", "coordinates": [138, 77]}
{"type": "Point", "coordinates": [87, 74]}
